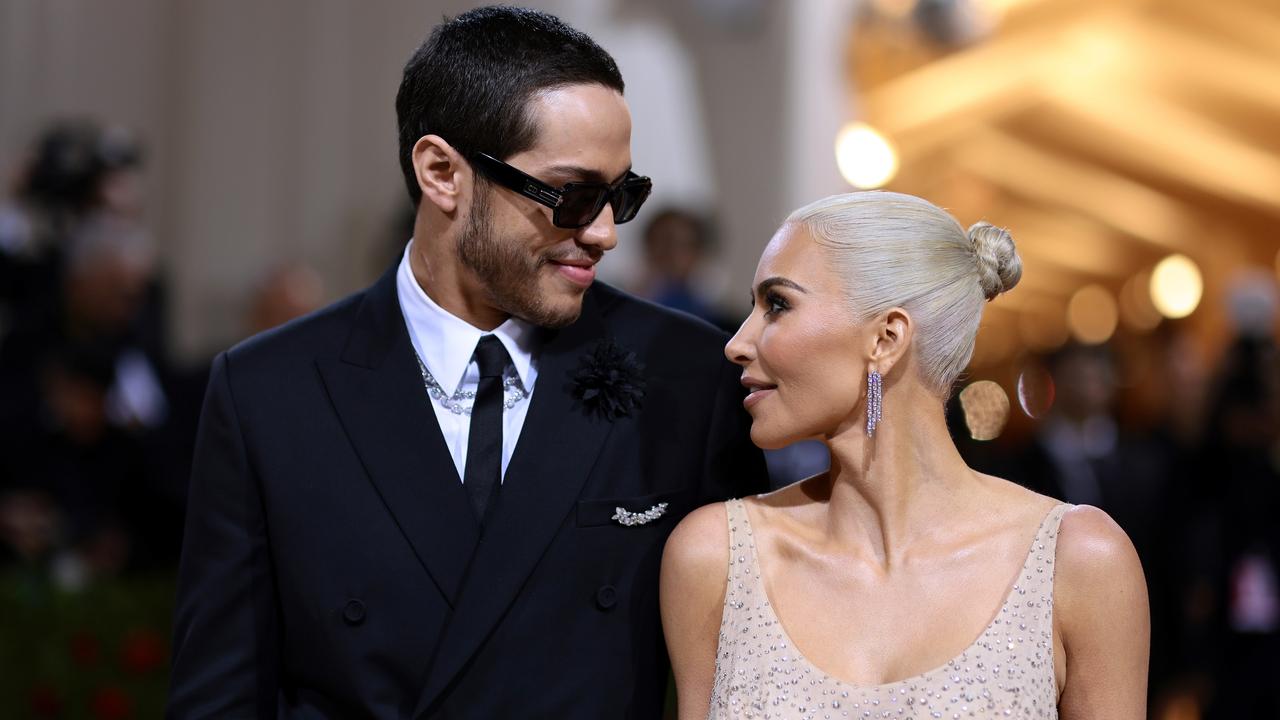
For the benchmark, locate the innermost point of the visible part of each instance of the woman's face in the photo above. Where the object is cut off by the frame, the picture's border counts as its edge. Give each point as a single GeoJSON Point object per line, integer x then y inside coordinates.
{"type": "Point", "coordinates": [803, 357]}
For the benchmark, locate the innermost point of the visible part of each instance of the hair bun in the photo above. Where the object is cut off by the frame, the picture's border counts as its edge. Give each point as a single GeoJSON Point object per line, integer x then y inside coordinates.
{"type": "Point", "coordinates": [999, 267]}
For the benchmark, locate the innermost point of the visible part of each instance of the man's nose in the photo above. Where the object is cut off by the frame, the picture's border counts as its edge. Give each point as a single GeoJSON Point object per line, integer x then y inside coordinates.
{"type": "Point", "coordinates": [602, 233]}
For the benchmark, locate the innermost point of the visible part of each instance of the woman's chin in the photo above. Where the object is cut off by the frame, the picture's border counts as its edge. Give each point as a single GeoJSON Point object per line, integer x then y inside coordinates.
{"type": "Point", "coordinates": [768, 439]}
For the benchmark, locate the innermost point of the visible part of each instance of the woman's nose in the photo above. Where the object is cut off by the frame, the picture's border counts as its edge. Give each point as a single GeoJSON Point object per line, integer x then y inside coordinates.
{"type": "Point", "coordinates": [740, 349]}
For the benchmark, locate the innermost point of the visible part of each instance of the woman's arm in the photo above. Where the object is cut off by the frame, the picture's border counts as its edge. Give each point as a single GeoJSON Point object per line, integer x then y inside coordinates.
{"type": "Point", "coordinates": [692, 587]}
{"type": "Point", "coordinates": [1101, 612]}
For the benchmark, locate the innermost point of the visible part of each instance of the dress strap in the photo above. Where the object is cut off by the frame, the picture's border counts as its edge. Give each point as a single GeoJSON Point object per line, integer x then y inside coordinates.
{"type": "Point", "coordinates": [1047, 537]}
{"type": "Point", "coordinates": [1047, 543]}
{"type": "Point", "coordinates": [1032, 595]}
{"type": "Point", "coordinates": [742, 574]}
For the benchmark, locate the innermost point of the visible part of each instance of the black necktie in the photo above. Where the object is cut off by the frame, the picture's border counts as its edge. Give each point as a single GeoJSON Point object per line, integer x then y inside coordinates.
{"type": "Point", "coordinates": [483, 475]}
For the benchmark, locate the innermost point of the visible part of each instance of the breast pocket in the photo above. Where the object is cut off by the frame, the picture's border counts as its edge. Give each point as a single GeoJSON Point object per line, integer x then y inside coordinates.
{"type": "Point", "coordinates": [637, 511]}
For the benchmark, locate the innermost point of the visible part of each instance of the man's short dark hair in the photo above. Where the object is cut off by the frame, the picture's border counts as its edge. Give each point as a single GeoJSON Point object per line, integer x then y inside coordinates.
{"type": "Point", "coordinates": [471, 81]}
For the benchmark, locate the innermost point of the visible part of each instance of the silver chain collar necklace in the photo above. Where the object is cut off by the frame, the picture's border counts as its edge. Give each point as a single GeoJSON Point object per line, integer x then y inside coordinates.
{"type": "Point", "coordinates": [512, 389]}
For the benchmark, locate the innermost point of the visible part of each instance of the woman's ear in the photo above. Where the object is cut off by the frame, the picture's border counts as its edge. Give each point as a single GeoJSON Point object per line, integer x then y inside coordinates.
{"type": "Point", "coordinates": [441, 171]}
{"type": "Point", "coordinates": [893, 331]}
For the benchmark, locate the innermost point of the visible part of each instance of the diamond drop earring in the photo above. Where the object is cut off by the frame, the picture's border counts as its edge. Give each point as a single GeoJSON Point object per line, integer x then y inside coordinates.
{"type": "Point", "coordinates": [875, 396]}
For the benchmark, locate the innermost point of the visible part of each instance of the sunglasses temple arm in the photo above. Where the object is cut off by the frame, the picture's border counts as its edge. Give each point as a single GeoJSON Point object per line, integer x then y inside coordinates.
{"type": "Point", "coordinates": [518, 181]}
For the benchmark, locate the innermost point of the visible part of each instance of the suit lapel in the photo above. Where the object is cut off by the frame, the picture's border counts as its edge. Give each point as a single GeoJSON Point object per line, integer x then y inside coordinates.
{"type": "Point", "coordinates": [377, 391]}
{"type": "Point", "coordinates": [558, 446]}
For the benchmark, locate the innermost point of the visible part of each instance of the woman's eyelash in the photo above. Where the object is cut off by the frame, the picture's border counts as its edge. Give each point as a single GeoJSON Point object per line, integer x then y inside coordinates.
{"type": "Point", "coordinates": [775, 304]}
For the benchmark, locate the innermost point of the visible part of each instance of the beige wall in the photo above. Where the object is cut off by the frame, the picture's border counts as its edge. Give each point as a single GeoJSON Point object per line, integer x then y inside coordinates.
{"type": "Point", "coordinates": [271, 129]}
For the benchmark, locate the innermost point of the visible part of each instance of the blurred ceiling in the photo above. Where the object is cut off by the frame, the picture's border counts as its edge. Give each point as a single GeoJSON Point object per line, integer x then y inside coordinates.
{"type": "Point", "coordinates": [1105, 134]}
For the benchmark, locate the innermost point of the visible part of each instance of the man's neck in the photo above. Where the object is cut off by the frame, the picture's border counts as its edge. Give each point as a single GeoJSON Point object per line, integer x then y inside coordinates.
{"type": "Point", "coordinates": [442, 281]}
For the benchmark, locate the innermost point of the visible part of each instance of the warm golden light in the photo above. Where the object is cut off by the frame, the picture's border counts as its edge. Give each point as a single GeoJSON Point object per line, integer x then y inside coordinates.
{"type": "Point", "coordinates": [1000, 7]}
{"type": "Point", "coordinates": [986, 409]}
{"type": "Point", "coordinates": [1176, 286]}
{"type": "Point", "coordinates": [866, 159]}
{"type": "Point", "coordinates": [996, 342]}
{"type": "Point", "coordinates": [1092, 49]}
{"type": "Point", "coordinates": [1092, 315]}
{"type": "Point", "coordinates": [1043, 326]}
{"type": "Point", "coordinates": [1136, 308]}
{"type": "Point", "coordinates": [894, 8]}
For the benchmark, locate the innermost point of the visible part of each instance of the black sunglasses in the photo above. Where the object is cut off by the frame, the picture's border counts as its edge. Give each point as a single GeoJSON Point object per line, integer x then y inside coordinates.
{"type": "Point", "coordinates": [576, 204]}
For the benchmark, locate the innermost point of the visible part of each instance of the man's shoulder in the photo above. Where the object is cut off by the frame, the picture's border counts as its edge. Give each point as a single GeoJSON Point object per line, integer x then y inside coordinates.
{"type": "Point", "coordinates": [626, 314]}
{"type": "Point", "coordinates": [319, 334]}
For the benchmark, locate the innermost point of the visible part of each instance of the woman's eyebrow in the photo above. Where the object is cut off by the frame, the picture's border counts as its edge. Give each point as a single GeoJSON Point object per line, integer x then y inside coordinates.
{"type": "Point", "coordinates": [775, 281]}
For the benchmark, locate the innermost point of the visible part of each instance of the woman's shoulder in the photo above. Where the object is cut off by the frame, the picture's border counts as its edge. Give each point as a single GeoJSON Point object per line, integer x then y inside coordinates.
{"type": "Point", "coordinates": [1087, 538]}
{"type": "Point", "coordinates": [700, 541]}
{"type": "Point", "coordinates": [1100, 607]}
{"type": "Point", "coordinates": [1092, 547]}
{"type": "Point", "coordinates": [1098, 579]}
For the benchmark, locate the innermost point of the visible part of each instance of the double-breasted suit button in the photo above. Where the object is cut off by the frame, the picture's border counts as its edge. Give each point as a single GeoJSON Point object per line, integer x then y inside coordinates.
{"type": "Point", "coordinates": [606, 597]}
{"type": "Point", "coordinates": [353, 612]}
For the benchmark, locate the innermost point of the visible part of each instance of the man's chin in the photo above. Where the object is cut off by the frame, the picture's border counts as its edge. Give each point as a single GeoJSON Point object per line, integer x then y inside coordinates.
{"type": "Point", "coordinates": [558, 322]}
{"type": "Point", "coordinates": [557, 310]}
{"type": "Point", "coordinates": [561, 302]}
{"type": "Point", "coordinates": [562, 314]}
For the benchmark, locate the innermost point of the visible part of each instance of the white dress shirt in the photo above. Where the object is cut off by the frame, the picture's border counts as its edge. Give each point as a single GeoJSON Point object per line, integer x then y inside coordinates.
{"type": "Point", "coordinates": [446, 343]}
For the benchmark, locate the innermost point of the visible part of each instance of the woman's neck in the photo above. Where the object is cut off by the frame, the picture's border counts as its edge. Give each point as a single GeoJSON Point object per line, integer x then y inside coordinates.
{"type": "Point", "coordinates": [893, 489]}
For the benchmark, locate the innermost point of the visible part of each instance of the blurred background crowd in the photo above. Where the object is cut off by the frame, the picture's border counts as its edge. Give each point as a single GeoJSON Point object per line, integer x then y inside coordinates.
{"type": "Point", "coordinates": [179, 176]}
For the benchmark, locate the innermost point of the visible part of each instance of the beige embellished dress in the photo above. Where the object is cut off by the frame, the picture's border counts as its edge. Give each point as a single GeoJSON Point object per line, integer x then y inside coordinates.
{"type": "Point", "coordinates": [1006, 673]}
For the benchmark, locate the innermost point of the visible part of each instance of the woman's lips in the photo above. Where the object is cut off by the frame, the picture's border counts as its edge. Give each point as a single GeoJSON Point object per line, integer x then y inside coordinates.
{"type": "Point", "coordinates": [756, 396]}
{"type": "Point", "coordinates": [577, 274]}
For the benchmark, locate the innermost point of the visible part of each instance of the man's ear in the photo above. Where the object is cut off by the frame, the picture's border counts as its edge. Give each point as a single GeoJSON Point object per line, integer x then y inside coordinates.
{"type": "Point", "coordinates": [441, 171]}
{"type": "Point", "coordinates": [893, 331]}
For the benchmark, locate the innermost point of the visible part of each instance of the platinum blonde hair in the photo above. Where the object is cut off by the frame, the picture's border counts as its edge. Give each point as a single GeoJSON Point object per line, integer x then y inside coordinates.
{"type": "Point", "coordinates": [895, 250]}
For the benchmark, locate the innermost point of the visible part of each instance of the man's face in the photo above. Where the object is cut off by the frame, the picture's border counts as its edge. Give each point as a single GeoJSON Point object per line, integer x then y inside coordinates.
{"type": "Point", "coordinates": [528, 267]}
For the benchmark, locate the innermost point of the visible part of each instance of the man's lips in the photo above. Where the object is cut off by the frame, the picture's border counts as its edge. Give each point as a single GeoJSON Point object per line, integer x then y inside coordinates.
{"type": "Point", "coordinates": [578, 272]}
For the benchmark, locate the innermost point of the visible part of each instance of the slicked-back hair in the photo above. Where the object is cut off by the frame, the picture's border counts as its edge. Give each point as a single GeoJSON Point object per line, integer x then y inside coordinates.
{"type": "Point", "coordinates": [899, 250]}
{"type": "Point", "coordinates": [471, 82]}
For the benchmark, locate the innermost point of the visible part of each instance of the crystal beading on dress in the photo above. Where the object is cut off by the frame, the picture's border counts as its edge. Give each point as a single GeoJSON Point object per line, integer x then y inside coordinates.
{"type": "Point", "coordinates": [1006, 673]}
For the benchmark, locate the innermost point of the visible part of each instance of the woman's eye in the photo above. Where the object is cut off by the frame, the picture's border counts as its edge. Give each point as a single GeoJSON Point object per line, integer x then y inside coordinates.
{"type": "Point", "coordinates": [774, 304]}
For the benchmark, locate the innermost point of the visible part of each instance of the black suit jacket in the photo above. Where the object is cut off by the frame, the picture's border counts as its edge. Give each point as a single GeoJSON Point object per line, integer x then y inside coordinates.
{"type": "Point", "coordinates": [332, 566]}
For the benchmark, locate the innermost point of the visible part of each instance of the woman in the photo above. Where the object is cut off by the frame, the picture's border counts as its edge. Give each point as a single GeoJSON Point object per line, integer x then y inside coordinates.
{"type": "Point", "coordinates": [859, 593]}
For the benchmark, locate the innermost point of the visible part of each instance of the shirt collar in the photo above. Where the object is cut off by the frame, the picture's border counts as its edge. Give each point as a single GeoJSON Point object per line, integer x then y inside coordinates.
{"type": "Point", "coordinates": [445, 342]}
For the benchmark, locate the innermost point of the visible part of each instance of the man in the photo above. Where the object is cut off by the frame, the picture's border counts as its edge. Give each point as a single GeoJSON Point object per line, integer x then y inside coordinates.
{"type": "Point", "coordinates": [447, 495]}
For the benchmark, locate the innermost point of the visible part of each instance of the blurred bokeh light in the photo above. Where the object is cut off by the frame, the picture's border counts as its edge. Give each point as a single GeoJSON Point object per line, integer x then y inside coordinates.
{"type": "Point", "coordinates": [1136, 309]}
{"type": "Point", "coordinates": [1176, 286]}
{"type": "Point", "coordinates": [986, 409]}
{"type": "Point", "coordinates": [1035, 390]}
{"type": "Point", "coordinates": [867, 160]}
{"type": "Point", "coordinates": [1092, 315]}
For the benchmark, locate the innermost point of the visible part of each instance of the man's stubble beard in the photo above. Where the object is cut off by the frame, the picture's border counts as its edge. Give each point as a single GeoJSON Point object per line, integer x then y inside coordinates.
{"type": "Point", "coordinates": [511, 278]}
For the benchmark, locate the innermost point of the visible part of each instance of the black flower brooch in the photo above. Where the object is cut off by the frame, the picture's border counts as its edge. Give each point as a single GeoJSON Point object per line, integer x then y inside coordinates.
{"type": "Point", "coordinates": [609, 381]}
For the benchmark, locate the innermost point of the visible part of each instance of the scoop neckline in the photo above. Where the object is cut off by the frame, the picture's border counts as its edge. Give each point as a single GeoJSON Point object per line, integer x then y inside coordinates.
{"type": "Point", "coordinates": [803, 658]}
